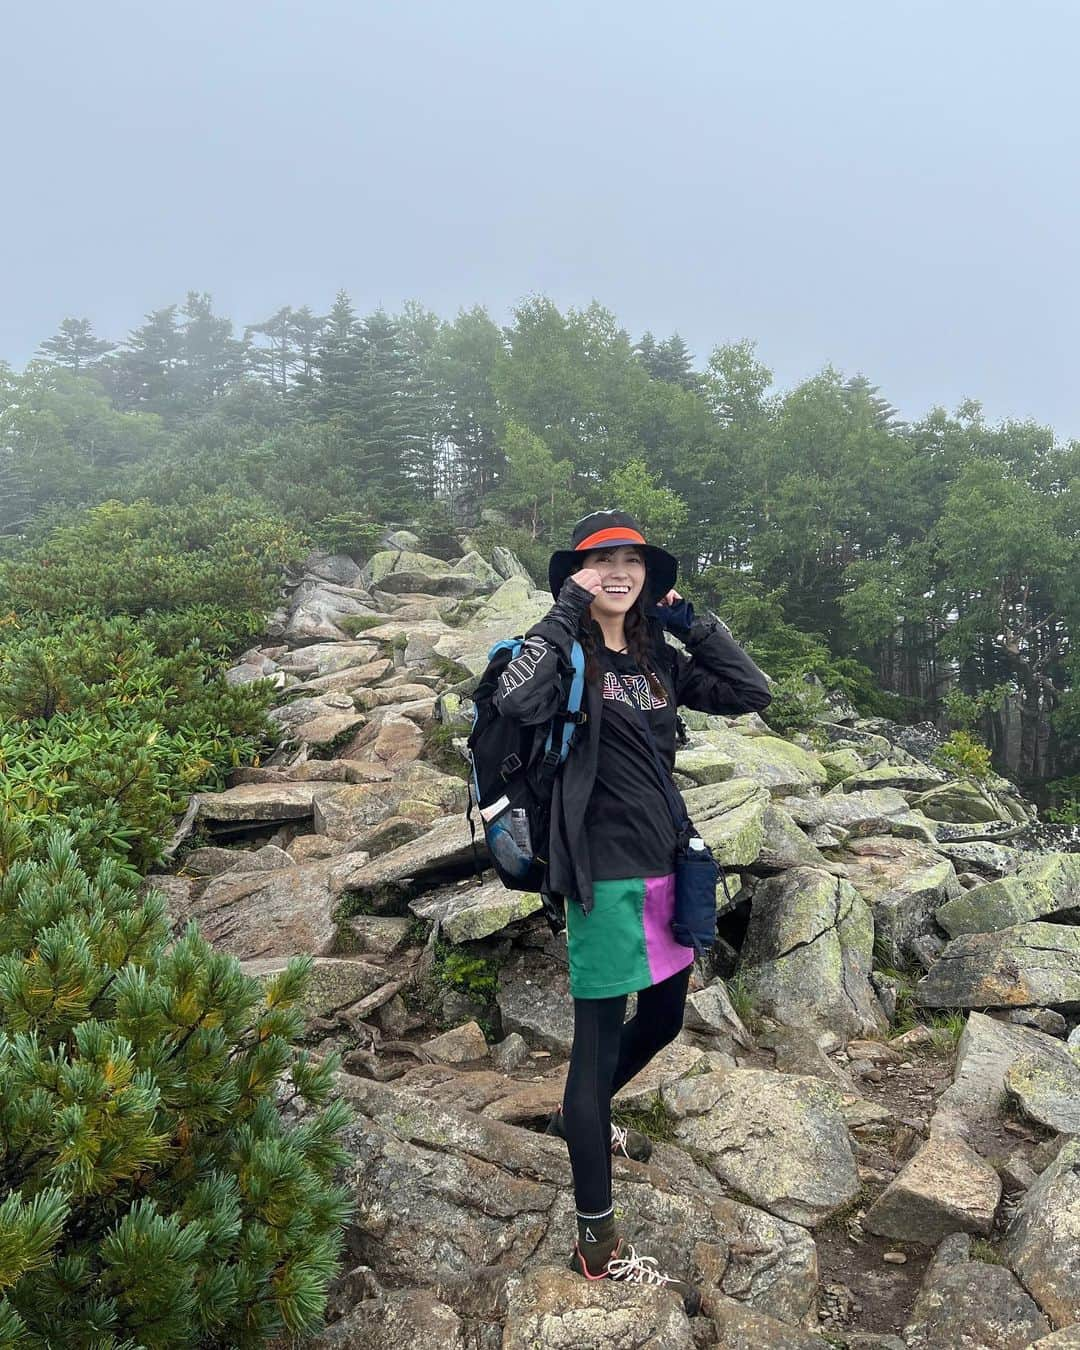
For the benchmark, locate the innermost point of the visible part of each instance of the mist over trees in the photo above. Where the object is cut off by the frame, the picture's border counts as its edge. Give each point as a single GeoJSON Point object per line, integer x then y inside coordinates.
{"type": "Point", "coordinates": [903, 562]}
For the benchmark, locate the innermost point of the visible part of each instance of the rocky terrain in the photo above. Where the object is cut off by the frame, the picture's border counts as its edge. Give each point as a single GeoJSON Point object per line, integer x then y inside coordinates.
{"type": "Point", "coordinates": [868, 1133]}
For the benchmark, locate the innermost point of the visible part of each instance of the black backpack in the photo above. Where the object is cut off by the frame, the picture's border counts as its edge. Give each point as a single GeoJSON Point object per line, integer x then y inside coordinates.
{"type": "Point", "coordinates": [514, 769]}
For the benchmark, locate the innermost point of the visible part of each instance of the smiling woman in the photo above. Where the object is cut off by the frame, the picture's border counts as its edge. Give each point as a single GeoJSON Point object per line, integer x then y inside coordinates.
{"type": "Point", "coordinates": [613, 838]}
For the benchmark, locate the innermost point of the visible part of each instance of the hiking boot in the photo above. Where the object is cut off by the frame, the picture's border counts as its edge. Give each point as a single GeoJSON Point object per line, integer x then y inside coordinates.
{"type": "Point", "coordinates": [625, 1266]}
{"type": "Point", "coordinates": [625, 1143]}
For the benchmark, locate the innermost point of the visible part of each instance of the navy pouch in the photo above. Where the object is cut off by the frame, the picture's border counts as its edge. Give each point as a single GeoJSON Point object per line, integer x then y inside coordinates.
{"type": "Point", "coordinates": [696, 873]}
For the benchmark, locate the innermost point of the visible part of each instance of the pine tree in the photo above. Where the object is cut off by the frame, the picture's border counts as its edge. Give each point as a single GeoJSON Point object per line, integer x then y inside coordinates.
{"type": "Point", "coordinates": [858, 389]}
{"type": "Point", "coordinates": [211, 358]}
{"type": "Point", "coordinates": [151, 1193]}
{"type": "Point", "coordinates": [144, 375]}
{"type": "Point", "coordinates": [75, 347]}
{"type": "Point", "coordinates": [382, 400]}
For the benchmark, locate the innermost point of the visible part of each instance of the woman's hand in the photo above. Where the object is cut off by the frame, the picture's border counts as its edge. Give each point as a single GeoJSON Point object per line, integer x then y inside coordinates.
{"type": "Point", "coordinates": [589, 579]}
{"type": "Point", "coordinates": [672, 598]}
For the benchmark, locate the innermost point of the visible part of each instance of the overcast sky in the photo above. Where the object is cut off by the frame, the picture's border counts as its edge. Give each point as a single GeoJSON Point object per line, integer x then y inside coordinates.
{"type": "Point", "coordinates": [887, 185]}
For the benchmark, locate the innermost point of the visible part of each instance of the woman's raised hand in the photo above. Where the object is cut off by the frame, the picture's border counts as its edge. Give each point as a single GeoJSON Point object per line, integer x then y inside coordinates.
{"type": "Point", "coordinates": [590, 579]}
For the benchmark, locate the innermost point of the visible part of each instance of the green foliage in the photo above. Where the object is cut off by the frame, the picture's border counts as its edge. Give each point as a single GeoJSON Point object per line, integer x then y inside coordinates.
{"type": "Point", "coordinates": [946, 1028]}
{"type": "Point", "coordinates": [964, 710]}
{"type": "Point", "coordinates": [130, 558]}
{"type": "Point", "coordinates": [796, 706]}
{"type": "Point", "coordinates": [153, 1193]}
{"type": "Point", "coordinates": [99, 728]}
{"type": "Point", "coordinates": [652, 1119]}
{"type": "Point", "coordinates": [350, 532]}
{"type": "Point", "coordinates": [475, 976]}
{"type": "Point", "coordinates": [660, 512]}
{"type": "Point", "coordinates": [963, 756]}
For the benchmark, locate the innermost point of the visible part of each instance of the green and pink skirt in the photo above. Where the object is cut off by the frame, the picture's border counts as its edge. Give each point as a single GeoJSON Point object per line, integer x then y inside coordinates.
{"type": "Point", "coordinates": [624, 943]}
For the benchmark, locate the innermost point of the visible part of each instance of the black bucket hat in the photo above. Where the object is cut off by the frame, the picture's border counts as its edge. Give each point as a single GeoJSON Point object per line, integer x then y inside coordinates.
{"type": "Point", "coordinates": [609, 529]}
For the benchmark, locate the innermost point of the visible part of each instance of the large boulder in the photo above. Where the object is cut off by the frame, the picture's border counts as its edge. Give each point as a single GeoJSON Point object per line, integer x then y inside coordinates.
{"type": "Point", "coordinates": [1043, 1242]}
{"type": "Point", "coordinates": [534, 997]}
{"type": "Point", "coordinates": [913, 777]}
{"type": "Point", "coordinates": [807, 956]}
{"type": "Point", "coordinates": [409, 1318]}
{"type": "Point", "coordinates": [389, 739]}
{"type": "Point", "coordinates": [963, 1302]}
{"type": "Point", "coordinates": [1030, 963]}
{"type": "Point", "coordinates": [1044, 886]}
{"type": "Point", "coordinates": [904, 882]}
{"type": "Point", "coordinates": [974, 1106]}
{"type": "Point", "coordinates": [965, 803]}
{"type": "Point", "coordinates": [1047, 1088]}
{"type": "Point", "coordinates": [448, 1198]}
{"type": "Point", "coordinates": [945, 1188]}
{"type": "Point", "coordinates": [730, 817]}
{"type": "Point", "coordinates": [390, 562]}
{"type": "Point", "coordinates": [779, 1139]}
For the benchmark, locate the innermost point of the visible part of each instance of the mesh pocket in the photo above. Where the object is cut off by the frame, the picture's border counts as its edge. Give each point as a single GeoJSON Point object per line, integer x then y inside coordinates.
{"type": "Point", "coordinates": [505, 851]}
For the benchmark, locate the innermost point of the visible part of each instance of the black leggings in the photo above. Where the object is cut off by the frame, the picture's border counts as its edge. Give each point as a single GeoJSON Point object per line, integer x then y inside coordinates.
{"type": "Point", "coordinates": [607, 1053]}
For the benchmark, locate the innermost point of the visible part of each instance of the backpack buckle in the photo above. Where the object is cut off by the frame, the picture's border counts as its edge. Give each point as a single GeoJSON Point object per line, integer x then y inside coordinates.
{"type": "Point", "coordinates": [510, 765]}
{"type": "Point", "coordinates": [551, 759]}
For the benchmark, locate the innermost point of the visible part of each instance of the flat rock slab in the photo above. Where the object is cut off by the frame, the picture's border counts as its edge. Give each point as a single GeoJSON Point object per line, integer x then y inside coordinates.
{"type": "Point", "coordinates": [1043, 1243]}
{"type": "Point", "coordinates": [1048, 885]}
{"type": "Point", "coordinates": [780, 1140]}
{"type": "Point", "coordinates": [807, 956]}
{"type": "Point", "coordinates": [335, 982]}
{"type": "Point", "coordinates": [779, 765]}
{"type": "Point", "coordinates": [288, 911]}
{"type": "Point", "coordinates": [559, 1310]}
{"type": "Point", "coordinates": [1030, 963]}
{"type": "Point", "coordinates": [258, 802]}
{"type": "Point", "coordinates": [469, 912]}
{"type": "Point", "coordinates": [667, 1067]}
{"type": "Point", "coordinates": [873, 811]}
{"type": "Point", "coordinates": [945, 1188]}
{"type": "Point", "coordinates": [392, 878]}
{"type": "Point", "coordinates": [418, 790]}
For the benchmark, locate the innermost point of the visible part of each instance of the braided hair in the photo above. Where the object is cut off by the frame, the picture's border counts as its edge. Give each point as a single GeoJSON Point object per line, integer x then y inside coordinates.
{"type": "Point", "coordinates": [639, 644]}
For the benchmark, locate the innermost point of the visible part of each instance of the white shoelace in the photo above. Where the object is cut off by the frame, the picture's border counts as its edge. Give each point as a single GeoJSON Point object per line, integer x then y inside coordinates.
{"type": "Point", "coordinates": [634, 1269]}
{"type": "Point", "coordinates": [618, 1139]}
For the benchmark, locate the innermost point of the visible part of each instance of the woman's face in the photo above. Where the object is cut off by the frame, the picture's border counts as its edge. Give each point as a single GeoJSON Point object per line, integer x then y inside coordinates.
{"type": "Point", "coordinates": [622, 571]}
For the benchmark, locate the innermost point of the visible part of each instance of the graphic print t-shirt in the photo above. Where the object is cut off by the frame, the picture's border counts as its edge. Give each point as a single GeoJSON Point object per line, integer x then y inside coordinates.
{"type": "Point", "coordinates": [628, 822]}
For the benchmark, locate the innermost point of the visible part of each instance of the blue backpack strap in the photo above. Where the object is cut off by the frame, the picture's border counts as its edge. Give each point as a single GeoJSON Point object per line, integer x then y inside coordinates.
{"type": "Point", "coordinates": [572, 716]}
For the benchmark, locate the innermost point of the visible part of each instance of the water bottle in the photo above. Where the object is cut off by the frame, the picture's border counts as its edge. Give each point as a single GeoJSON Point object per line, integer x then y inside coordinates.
{"type": "Point", "coordinates": [697, 845]}
{"type": "Point", "coordinates": [519, 829]}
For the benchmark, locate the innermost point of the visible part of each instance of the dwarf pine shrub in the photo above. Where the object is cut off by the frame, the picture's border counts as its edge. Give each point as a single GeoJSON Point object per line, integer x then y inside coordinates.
{"type": "Point", "coordinates": [152, 1191]}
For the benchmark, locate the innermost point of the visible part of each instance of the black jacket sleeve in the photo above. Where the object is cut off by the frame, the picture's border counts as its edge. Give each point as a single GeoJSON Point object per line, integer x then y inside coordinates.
{"type": "Point", "coordinates": [715, 675]}
{"type": "Point", "coordinates": [529, 688]}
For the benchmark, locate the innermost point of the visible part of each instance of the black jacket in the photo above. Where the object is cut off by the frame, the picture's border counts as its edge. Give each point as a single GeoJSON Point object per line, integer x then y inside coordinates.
{"type": "Point", "coordinates": [716, 677]}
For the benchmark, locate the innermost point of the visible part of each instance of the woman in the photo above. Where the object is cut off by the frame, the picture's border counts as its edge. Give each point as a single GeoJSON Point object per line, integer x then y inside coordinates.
{"type": "Point", "coordinates": [612, 844]}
